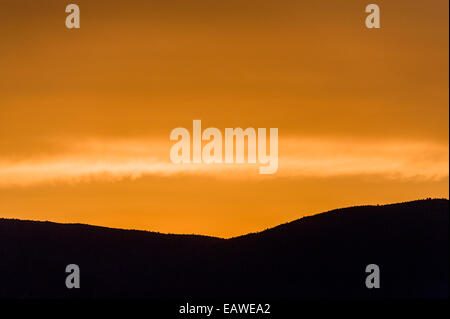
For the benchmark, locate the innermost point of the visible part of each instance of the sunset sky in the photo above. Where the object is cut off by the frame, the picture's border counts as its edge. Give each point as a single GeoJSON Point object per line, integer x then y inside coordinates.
{"type": "Point", "coordinates": [85, 115]}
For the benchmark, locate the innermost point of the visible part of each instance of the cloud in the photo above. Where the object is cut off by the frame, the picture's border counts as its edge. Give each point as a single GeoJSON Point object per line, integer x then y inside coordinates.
{"type": "Point", "coordinates": [115, 160]}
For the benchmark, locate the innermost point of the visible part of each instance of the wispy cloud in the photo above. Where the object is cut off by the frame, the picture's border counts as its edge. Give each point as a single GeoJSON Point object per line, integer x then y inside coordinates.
{"type": "Point", "coordinates": [114, 160]}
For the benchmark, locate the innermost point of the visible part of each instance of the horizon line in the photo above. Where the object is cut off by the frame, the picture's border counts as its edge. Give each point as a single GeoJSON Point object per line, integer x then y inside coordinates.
{"type": "Point", "coordinates": [216, 237]}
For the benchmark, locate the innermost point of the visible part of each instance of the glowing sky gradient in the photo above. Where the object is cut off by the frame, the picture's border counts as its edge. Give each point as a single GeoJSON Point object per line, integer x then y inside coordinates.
{"type": "Point", "coordinates": [85, 115]}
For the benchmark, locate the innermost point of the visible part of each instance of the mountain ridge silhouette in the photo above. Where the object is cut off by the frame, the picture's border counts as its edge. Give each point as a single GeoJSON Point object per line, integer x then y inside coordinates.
{"type": "Point", "coordinates": [314, 257]}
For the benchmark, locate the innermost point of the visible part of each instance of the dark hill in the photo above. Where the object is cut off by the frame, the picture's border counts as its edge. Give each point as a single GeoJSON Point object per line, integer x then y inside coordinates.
{"type": "Point", "coordinates": [322, 256]}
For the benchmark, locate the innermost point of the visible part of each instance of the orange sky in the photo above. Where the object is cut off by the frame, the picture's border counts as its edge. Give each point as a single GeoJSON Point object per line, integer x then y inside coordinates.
{"type": "Point", "coordinates": [85, 115]}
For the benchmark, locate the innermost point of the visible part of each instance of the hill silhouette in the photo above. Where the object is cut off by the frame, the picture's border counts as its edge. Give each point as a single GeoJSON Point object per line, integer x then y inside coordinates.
{"type": "Point", "coordinates": [321, 256]}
